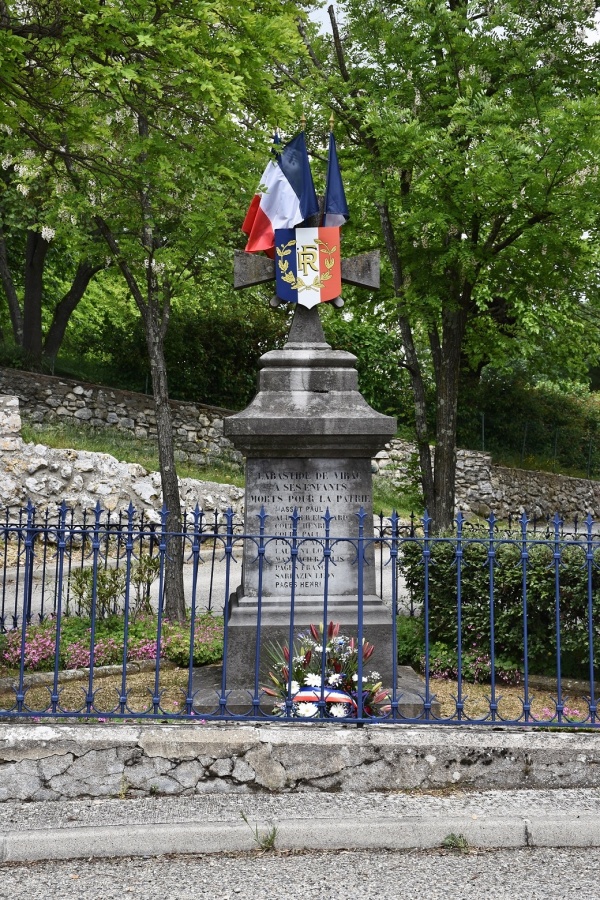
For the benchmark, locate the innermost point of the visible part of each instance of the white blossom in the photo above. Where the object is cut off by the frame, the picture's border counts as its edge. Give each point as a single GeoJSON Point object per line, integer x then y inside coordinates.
{"type": "Point", "coordinates": [313, 680]}
{"type": "Point", "coordinates": [48, 233]}
{"type": "Point", "coordinates": [338, 710]}
{"type": "Point", "coordinates": [7, 161]}
{"type": "Point", "coordinates": [306, 710]}
{"type": "Point", "coordinates": [23, 189]}
{"type": "Point", "coordinates": [28, 154]}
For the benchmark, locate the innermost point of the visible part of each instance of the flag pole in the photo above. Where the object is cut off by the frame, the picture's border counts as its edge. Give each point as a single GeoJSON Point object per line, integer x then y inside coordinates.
{"type": "Point", "coordinates": [303, 122]}
{"type": "Point", "coordinates": [331, 121]}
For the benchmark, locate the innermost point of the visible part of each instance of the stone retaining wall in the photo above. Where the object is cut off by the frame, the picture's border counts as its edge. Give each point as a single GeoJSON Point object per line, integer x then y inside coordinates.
{"type": "Point", "coordinates": [197, 428]}
{"type": "Point", "coordinates": [47, 477]}
{"type": "Point", "coordinates": [482, 487]}
{"type": "Point", "coordinates": [58, 762]}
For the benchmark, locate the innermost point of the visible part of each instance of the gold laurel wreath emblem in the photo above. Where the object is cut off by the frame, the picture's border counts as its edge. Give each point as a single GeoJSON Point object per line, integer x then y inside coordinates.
{"type": "Point", "coordinates": [298, 284]}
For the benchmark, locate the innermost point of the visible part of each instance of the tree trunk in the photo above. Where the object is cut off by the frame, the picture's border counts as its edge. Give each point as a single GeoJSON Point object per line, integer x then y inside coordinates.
{"type": "Point", "coordinates": [16, 317]}
{"type": "Point", "coordinates": [66, 306]}
{"type": "Point", "coordinates": [174, 592]}
{"type": "Point", "coordinates": [444, 487]}
{"type": "Point", "coordinates": [35, 257]}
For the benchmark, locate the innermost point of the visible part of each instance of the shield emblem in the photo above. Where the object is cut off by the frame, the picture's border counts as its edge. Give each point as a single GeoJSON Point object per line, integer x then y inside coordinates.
{"type": "Point", "coordinates": [308, 267]}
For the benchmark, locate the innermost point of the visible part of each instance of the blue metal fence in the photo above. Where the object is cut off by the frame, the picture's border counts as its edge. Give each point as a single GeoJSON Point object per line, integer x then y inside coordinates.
{"type": "Point", "coordinates": [501, 619]}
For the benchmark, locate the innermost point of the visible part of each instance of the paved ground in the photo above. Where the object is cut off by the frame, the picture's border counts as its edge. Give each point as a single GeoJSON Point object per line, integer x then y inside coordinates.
{"type": "Point", "coordinates": [216, 823]}
{"type": "Point", "coordinates": [210, 586]}
{"type": "Point", "coordinates": [385, 875]}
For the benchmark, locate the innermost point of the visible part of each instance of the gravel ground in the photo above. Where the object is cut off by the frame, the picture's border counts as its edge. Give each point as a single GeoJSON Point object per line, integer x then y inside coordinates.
{"type": "Point", "coordinates": [384, 875]}
{"type": "Point", "coordinates": [222, 808]}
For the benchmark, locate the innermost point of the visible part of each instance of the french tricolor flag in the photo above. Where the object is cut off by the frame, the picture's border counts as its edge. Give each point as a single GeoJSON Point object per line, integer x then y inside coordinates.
{"type": "Point", "coordinates": [285, 197]}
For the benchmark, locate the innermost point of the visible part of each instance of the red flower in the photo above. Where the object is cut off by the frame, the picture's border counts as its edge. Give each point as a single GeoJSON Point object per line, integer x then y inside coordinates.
{"type": "Point", "coordinates": [307, 657]}
{"type": "Point", "coordinates": [314, 632]}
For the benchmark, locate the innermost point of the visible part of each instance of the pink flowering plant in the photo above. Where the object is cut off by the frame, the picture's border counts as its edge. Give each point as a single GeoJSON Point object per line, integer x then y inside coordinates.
{"type": "Point", "coordinates": [75, 640]}
{"type": "Point", "coordinates": [339, 688]}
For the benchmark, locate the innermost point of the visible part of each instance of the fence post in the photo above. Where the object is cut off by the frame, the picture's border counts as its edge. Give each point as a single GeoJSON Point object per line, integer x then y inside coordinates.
{"type": "Point", "coordinates": [459, 558]}
{"type": "Point", "coordinates": [557, 558]}
{"type": "Point", "coordinates": [262, 516]}
{"type": "Point", "coordinates": [524, 558]}
{"type": "Point", "coordinates": [394, 566]}
{"type": "Point", "coordinates": [197, 537]}
{"type": "Point", "coordinates": [226, 604]}
{"type": "Point", "coordinates": [27, 581]}
{"type": "Point", "coordinates": [89, 697]}
{"type": "Point", "coordinates": [589, 558]}
{"type": "Point", "coordinates": [289, 704]}
{"type": "Point", "coordinates": [491, 563]}
{"type": "Point", "coordinates": [426, 561]}
{"type": "Point", "coordinates": [128, 555]}
{"type": "Point", "coordinates": [62, 543]}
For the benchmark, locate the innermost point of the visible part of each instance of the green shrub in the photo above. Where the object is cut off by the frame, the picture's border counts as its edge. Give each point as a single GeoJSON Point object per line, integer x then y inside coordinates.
{"type": "Point", "coordinates": [411, 641]}
{"type": "Point", "coordinates": [508, 604]}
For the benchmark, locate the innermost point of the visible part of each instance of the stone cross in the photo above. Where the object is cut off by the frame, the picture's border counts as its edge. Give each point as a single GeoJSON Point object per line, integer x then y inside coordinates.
{"type": "Point", "coordinates": [250, 269]}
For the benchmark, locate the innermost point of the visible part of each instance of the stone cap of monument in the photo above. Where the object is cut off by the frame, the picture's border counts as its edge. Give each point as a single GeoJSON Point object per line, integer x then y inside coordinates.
{"type": "Point", "coordinates": [308, 402]}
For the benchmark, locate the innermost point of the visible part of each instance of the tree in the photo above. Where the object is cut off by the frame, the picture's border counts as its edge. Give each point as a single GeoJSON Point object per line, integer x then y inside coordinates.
{"type": "Point", "coordinates": [473, 130]}
{"type": "Point", "coordinates": [46, 263]}
{"type": "Point", "coordinates": [147, 120]}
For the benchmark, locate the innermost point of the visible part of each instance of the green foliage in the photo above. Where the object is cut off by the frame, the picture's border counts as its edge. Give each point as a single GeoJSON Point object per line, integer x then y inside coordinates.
{"type": "Point", "coordinates": [411, 641]}
{"type": "Point", "coordinates": [454, 841]}
{"type": "Point", "coordinates": [109, 638]}
{"type": "Point", "coordinates": [469, 140]}
{"type": "Point", "coordinates": [110, 588]}
{"type": "Point", "coordinates": [212, 346]}
{"type": "Point", "coordinates": [548, 426]}
{"type": "Point", "coordinates": [508, 606]}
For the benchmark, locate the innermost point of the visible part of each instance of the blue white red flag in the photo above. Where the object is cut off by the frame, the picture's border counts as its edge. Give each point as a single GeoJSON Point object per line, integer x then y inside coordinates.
{"type": "Point", "coordinates": [335, 211]}
{"type": "Point", "coordinates": [330, 695]}
{"type": "Point", "coordinates": [308, 268]}
{"type": "Point", "coordinates": [285, 197]}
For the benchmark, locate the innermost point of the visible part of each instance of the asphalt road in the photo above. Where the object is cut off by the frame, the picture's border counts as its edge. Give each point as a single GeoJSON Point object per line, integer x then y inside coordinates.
{"type": "Point", "coordinates": [369, 875]}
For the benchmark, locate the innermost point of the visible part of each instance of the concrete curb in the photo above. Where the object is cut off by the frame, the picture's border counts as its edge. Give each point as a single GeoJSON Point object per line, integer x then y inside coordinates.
{"type": "Point", "coordinates": [422, 833]}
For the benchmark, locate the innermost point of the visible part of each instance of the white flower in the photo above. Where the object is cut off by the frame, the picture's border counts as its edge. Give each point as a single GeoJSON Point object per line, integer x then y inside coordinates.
{"type": "Point", "coordinates": [48, 233]}
{"type": "Point", "coordinates": [306, 710]}
{"type": "Point", "coordinates": [374, 676]}
{"type": "Point", "coordinates": [355, 677]}
{"type": "Point", "coordinates": [7, 161]}
{"type": "Point", "coordinates": [28, 154]}
{"type": "Point", "coordinates": [23, 189]}
{"type": "Point", "coordinates": [338, 710]}
{"type": "Point", "coordinates": [313, 680]}
{"type": "Point", "coordinates": [295, 687]}
{"type": "Point", "coordinates": [334, 679]}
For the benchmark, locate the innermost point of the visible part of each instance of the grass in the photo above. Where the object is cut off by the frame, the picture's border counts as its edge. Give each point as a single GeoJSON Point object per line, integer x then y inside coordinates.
{"type": "Point", "coordinates": [387, 498]}
{"type": "Point", "coordinates": [144, 452]}
{"type": "Point", "coordinates": [126, 448]}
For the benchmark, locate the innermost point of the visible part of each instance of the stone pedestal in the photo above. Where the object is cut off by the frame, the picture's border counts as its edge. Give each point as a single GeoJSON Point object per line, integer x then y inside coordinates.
{"type": "Point", "coordinates": [308, 438]}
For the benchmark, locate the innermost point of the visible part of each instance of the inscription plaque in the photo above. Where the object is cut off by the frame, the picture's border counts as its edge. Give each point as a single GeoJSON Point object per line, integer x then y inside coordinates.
{"type": "Point", "coordinates": [311, 486]}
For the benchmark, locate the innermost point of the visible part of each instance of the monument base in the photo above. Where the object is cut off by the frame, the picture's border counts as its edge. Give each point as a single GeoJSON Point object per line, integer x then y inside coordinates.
{"type": "Point", "coordinates": [206, 687]}
{"type": "Point", "coordinates": [308, 610]}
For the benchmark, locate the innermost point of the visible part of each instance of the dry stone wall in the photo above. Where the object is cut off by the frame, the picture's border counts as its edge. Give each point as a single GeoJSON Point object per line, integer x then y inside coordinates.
{"type": "Point", "coordinates": [197, 428]}
{"type": "Point", "coordinates": [47, 477]}
{"type": "Point", "coordinates": [482, 487]}
{"type": "Point", "coordinates": [62, 762]}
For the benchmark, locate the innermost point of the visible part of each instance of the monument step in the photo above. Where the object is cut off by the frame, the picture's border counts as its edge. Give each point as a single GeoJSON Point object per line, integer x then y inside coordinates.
{"type": "Point", "coordinates": [207, 685]}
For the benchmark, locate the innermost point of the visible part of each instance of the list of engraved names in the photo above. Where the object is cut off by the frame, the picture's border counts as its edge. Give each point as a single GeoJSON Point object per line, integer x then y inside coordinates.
{"type": "Point", "coordinates": [311, 487]}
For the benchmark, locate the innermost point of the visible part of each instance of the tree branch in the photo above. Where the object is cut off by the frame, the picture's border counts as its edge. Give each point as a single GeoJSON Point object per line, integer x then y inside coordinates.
{"type": "Point", "coordinates": [531, 221]}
